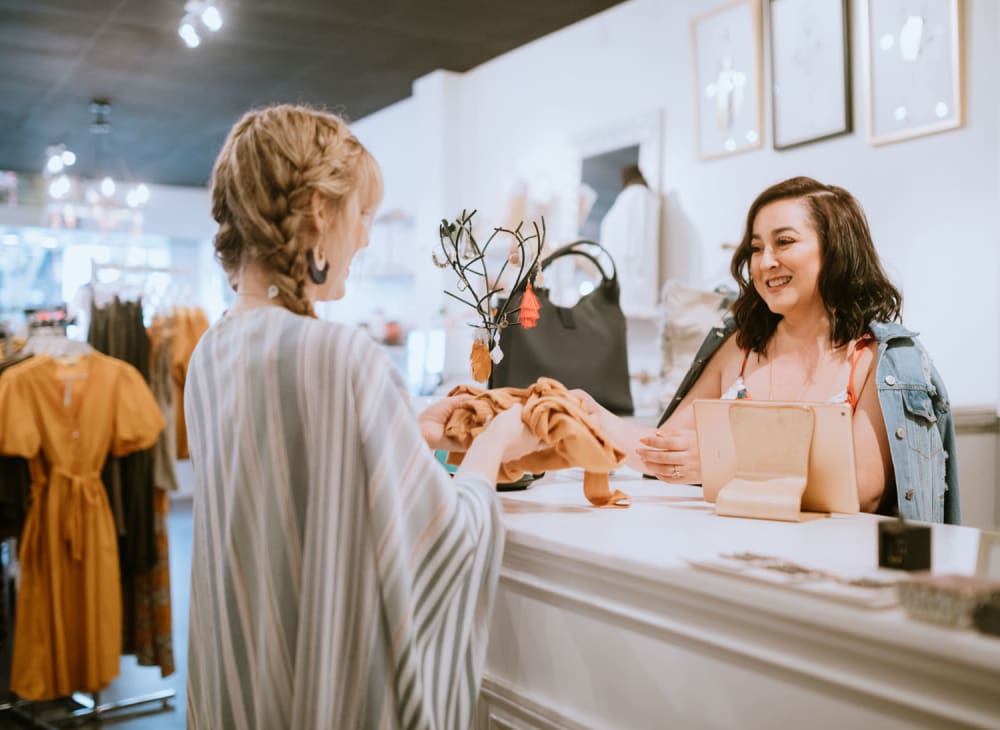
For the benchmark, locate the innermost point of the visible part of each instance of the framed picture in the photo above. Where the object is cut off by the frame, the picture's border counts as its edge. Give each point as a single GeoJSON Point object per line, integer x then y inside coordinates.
{"type": "Point", "coordinates": [914, 68]}
{"type": "Point", "coordinates": [810, 71]}
{"type": "Point", "coordinates": [726, 46]}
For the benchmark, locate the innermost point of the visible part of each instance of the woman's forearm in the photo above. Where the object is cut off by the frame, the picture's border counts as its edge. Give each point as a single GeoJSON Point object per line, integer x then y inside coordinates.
{"type": "Point", "coordinates": [625, 436]}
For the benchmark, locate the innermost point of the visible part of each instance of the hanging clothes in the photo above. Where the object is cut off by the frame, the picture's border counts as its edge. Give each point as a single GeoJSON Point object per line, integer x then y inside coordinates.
{"type": "Point", "coordinates": [190, 323]}
{"type": "Point", "coordinates": [147, 612]}
{"type": "Point", "coordinates": [117, 330]}
{"type": "Point", "coordinates": [15, 481]}
{"type": "Point", "coordinates": [15, 491]}
{"type": "Point", "coordinates": [69, 417]}
{"type": "Point", "coordinates": [161, 338]}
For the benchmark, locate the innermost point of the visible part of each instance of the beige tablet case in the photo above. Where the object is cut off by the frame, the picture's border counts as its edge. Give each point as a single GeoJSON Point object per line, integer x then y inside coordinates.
{"type": "Point", "coordinates": [764, 476]}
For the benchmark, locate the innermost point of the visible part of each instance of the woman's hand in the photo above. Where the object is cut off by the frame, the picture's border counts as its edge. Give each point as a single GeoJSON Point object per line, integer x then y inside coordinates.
{"type": "Point", "coordinates": [433, 419]}
{"type": "Point", "coordinates": [512, 435]}
{"type": "Point", "coordinates": [595, 410]}
{"type": "Point", "coordinates": [505, 438]}
{"type": "Point", "coordinates": [671, 456]}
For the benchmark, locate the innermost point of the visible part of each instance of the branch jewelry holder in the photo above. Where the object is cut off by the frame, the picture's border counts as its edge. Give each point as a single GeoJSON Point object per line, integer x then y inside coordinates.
{"type": "Point", "coordinates": [477, 288]}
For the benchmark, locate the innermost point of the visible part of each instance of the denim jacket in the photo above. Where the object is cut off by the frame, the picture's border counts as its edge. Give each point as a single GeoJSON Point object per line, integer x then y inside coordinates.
{"type": "Point", "coordinates": [917, 418]}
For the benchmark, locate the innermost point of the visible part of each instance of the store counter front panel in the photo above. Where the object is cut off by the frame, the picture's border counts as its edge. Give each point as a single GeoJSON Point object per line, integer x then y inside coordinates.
{"type": "Point", "coordinates": [664, 614]}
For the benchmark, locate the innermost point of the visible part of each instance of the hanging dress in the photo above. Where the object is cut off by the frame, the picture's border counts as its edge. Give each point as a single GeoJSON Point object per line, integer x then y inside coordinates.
{"type": "Point", "coordinates": [69, 614]}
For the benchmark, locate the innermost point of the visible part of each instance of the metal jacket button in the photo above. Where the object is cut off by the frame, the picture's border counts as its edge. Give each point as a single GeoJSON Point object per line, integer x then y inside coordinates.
{"type": "Point", "coordinates": [900, 432]}
{"type": "Point", "coordinates": [909, 495]}
{"type": "Point", "coordinates": [890, 380]}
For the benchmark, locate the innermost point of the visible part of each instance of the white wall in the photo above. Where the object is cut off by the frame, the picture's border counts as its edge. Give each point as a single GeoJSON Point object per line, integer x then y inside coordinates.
{"type": "Point", "coordinates": [932, 202]}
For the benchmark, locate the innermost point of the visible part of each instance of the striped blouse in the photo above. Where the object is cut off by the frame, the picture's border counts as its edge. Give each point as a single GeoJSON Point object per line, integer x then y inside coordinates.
{"type": "Point", "coordinates": [340, 578]}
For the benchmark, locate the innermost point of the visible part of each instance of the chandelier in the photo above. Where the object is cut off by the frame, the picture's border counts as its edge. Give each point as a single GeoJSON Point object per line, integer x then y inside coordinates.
{"type": "Point", "coordinates": [103, 200]}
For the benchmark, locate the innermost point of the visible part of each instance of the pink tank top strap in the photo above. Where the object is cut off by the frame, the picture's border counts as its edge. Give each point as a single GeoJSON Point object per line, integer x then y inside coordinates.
{"type": "Point", "coordinates": [859, 348]}
{"type": "Point", "coordinates": [746, 356]}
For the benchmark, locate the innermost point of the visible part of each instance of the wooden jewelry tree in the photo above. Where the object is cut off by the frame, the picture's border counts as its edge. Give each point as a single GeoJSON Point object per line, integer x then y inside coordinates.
{"type": "Point", "coordinates": [467, 258]}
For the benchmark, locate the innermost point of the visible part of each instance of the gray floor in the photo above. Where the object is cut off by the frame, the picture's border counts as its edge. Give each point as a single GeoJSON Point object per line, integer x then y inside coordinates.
{"type": "Point", "coordinates": [136, 680]}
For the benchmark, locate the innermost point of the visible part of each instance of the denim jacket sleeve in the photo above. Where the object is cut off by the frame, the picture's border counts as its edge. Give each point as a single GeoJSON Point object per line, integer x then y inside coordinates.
{"type": "Point", "coordinates": [919, 425]}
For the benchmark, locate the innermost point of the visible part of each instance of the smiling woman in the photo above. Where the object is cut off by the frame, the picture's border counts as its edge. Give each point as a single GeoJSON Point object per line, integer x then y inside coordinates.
{"type": "Point", "coordinates": [817, 320]}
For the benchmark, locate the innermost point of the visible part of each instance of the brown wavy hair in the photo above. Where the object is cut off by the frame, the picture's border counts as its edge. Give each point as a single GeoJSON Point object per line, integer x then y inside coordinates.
{"type": "Point", "coordinates": [854, 287]}
{"type": "Point", "coordinates": [262, 185]}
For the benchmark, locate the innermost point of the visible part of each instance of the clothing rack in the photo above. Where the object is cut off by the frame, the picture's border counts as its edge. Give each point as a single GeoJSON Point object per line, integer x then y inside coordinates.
{"type": "Point", "coordinates": [95, 268]}
{"type": "Point", "coordinates": [26, 712]}
{"type": "Point", "coordinates": [132, 269]}
{"type": "Point", "coordinates": [81, 705]}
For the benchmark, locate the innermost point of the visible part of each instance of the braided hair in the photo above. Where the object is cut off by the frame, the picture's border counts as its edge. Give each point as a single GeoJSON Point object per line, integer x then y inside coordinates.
{"type": "Point", "coordinates": [263, 181]}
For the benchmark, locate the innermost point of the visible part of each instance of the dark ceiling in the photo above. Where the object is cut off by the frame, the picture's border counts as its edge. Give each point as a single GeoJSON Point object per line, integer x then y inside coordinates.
{"type": "Point", "coordinates": [172, 106]}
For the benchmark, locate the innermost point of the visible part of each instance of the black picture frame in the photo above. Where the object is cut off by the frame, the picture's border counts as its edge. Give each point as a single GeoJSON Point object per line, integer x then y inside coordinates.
{"type": "Point", "coordinates": [810, 58]}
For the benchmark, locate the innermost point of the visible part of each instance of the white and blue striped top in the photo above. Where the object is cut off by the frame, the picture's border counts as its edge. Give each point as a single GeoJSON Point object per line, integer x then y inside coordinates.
{"type": "Point", "coordinates": [340, 578]}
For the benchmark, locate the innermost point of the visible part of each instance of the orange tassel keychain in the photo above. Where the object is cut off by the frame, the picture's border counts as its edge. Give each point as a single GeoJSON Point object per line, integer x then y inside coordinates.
{"type": "Point", "coordinates": [530, 307]}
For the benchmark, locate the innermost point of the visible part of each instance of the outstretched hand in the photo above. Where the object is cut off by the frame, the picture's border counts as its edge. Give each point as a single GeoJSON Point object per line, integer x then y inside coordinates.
{"type": "Point", "coordinates": [513, 435]}
{"type": "Point", "coordinates": [671, 456]}
{"type": "Point", "coordinates": [433, 419]}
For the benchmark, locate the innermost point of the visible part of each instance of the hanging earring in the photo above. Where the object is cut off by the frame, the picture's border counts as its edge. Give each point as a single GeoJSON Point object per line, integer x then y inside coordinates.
{"type": "Point", "coordinates": [319, 267]}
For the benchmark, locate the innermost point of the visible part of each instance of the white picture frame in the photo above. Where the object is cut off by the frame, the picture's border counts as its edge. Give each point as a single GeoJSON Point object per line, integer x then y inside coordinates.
{"type": "Point", "coordinates": [913, 69]}
{"type": "Point", "coordinates": [727, 63]}
{"type": "Point", "coordinates": [810, 71]}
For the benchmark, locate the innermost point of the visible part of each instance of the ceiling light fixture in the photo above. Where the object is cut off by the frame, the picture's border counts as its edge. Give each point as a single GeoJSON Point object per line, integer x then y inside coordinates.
{"type": "Point", "coordinates": [188, 33]}
{"type": "Point", "coordinates": [109, 199]}
{"type": "Point", "coordinates": [205, 11]}
{"type": "Point", "coordinates": [58, 158]}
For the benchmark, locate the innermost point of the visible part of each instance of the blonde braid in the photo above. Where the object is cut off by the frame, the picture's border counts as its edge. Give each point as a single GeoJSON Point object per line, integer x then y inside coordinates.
{"type": "Point", "coordinates": [271, 164]}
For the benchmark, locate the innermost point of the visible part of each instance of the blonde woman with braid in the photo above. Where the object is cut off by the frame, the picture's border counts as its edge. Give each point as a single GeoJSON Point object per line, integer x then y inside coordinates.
{"type": "Point", "coordinates": [340, 578]}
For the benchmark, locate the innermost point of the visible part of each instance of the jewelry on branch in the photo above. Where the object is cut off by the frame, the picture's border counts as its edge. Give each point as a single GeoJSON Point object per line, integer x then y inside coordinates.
{"type": "Point", "coordinates": [467, 258]}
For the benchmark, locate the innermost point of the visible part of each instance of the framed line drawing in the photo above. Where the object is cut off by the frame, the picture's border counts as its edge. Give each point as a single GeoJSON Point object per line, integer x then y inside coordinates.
{"type": "Point", "coordinates": [913, 70]}
{"type": "Point", "coordinates": [726, 48]}
{"type": "Point", "coordinates": [810, 71]}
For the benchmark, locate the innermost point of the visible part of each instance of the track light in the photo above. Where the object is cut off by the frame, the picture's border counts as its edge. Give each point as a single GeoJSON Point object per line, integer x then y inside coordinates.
{"type": "Point", "coordinates": [212, 18]}
{"type": "Point", "coordinates": [188, 33]}
{"type": "Point", "coordinates": [198, 10]}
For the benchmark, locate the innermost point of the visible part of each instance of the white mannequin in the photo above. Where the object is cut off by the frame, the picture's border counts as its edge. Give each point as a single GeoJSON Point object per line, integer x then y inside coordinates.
{"type": "Point", "coordinates": [630, 231]}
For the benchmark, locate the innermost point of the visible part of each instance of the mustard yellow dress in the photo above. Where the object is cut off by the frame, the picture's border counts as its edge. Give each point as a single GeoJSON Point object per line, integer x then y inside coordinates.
{"type": "Point", "coordinates": [67, 418]}
{"type": "Point", "coordinates": [190, 323]}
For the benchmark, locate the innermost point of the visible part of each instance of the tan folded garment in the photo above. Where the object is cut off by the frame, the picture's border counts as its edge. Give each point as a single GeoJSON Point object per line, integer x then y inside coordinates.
{"type": "Point", "coordinates": [558, 419]}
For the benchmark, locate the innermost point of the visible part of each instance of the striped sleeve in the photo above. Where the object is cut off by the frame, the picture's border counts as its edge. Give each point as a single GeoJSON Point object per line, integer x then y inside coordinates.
{"type": "Point", "coordinates": [438, 545]}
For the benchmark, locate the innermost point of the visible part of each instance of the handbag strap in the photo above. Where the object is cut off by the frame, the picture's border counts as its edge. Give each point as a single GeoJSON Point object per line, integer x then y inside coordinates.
{"type": "Point", "coordinates": [571, 249]}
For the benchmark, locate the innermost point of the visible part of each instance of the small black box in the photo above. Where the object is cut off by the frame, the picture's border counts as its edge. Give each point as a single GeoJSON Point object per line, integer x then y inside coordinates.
{"type": "Point", "coordinates": [904, 546]}
{"type": "Point", "coordinates": [987, 617]}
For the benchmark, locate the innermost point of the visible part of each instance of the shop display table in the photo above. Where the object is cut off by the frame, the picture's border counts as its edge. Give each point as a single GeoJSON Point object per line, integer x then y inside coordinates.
{"type": "Point", "coordinates": [601, 621]}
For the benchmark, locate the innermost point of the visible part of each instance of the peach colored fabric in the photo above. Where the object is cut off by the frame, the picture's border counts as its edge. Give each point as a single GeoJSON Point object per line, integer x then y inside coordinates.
{"type": "Point", "coordinates": [558, 419]}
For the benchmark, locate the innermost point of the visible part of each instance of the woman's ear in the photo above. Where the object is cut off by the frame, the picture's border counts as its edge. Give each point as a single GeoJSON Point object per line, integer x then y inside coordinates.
{"type": "Point", "coordinates": [318, 209]}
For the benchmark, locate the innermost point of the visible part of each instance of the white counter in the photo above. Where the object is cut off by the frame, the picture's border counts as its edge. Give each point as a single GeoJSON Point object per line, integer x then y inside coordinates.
{"type": "Point", "coordinates": [601, 622]}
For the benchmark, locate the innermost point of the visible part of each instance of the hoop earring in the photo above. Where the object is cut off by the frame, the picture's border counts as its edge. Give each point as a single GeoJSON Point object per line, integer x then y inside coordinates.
{"type": "Point", "coordinates": [318, 266]}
